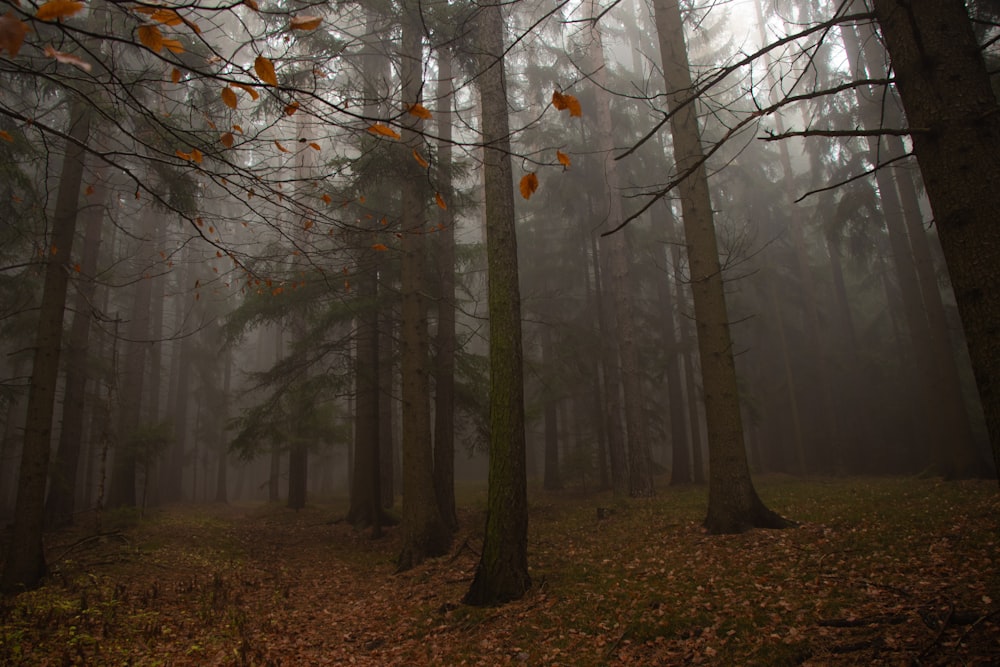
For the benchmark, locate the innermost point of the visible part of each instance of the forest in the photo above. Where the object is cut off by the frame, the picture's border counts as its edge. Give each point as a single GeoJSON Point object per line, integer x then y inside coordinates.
{"type": "Point", "coordinates": [542, 332]}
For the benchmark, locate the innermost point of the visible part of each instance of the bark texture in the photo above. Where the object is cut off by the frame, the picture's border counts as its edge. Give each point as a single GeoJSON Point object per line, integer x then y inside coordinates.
{"type": "Point", "coordinates": [733, 504]}
{"type": "Point", "coordinates": [954, 118]}
{"type": "Point", "coordinates": [24, 566]}
{"type": "Point", "coordinates": [502, 573]}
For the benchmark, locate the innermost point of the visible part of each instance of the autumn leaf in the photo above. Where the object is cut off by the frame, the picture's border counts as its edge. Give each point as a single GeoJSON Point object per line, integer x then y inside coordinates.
{"type": "Point", "coordinates": [151, 38]}
{"type": "Point", "coordinates": [227, 139]}
{"type": "Point", "coordinates": [89, 191]}
{"type": "Point", "coordinates": [291, 108]}
{"type": "Point", "coordinates": [380, 247]}
{"type": "Point", "coordinates": [528, 185]}
{"type": "Point", "coordinates": [12, 32]}
{"type": "Point", "coordinates": [326, 198]}
{"type": "Point", "coordinates": [305, 22]}
{"type": "Point", "coordinates": [6, 136]}
{"type": "Point", "coordinates": [238, 128]}
{"type": "Point", "coordinates": [313, 145]}
{"type": "Point", "coordinates": [173, 45]}
{"type": "Point", "coordinates": [280, 147]}
{"type": "Point", "coordinates": [562, 102]}
{"type": "Point", "coordinates": [420, 159]}
{"type": "Point", "coordinates": [196, 155]}
{"type": "Point", "coordinates": [563, 159]}
{"type": "Point", "coordinates": [229, 97]}
{"type": "Point", "coordinates": [58, 9]}
{"type": "Point", "coordinates": [252, 4]}
{"type": "Point", "coordinates": [307, 225]}
{"type": "Point", "coordinates": [439, 200]}
{"type": "Point", "coordinates": [265, 70]}
{"type": "Point", "coordinates": [175, 75]}
{"type": "Point", "coordinates": [248, 89]}
{"type": "Point", "coordinates": [420, 111]}
{"type": "Point", "coordinates": [67, 59]}
{"type": "Point", "coordinates": [383, 130]}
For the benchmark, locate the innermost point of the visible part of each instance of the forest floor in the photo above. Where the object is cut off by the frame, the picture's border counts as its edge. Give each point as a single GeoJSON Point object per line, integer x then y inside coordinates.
{"type": "Point", "coordinates": [879, 572]}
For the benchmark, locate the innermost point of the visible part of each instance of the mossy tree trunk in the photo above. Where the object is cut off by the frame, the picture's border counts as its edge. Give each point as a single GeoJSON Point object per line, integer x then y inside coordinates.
{"type": "Point", "coordinates": [502, 573]}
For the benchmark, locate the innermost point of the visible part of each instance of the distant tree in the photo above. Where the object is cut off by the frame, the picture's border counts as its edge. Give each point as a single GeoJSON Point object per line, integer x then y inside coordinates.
{"type": "Point", "coordinates": [733, 504]}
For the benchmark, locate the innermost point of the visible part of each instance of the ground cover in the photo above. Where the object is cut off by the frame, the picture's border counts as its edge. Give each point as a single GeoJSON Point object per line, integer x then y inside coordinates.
{"type": "Point", "coordinates": [880, 571]}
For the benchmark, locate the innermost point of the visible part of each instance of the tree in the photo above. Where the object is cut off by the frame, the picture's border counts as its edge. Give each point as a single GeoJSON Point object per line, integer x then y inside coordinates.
{"type": "Point", "coordinates": [733, 504]}
{"type": "Point", "coordinates": [954, 121]}
{"type": "Point", "coordinates": [425, 533]}
{"type": "Point", "coordinates": [25, 566]}
{"type": "Point", "coordinates": [502, 572]}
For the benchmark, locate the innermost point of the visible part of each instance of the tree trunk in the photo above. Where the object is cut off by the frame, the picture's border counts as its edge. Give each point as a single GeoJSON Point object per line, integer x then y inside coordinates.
{"type": "Point", "coordinates": [425, 533]}
{"type": "Point", "coordinates": [955, 121]}
{"type": "Point", "coordinates": [444, 368]}
{"type": "Point", "coordinates": [502, 573]}
{"type": "Point", "coordinates": [121, 490]}
{"type": "Point", "coordinates": [733, 504]}
{"type": "Point", "coordinates": [24, 566]}
{"type": "Point", "coordinates": [62, 487]}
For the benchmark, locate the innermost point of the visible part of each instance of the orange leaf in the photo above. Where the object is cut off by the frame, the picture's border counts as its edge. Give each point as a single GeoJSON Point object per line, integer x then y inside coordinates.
{"type": "Point", "coordinates": [164, 16]}
{"type": "Point", "coordinates": [420, 111]}
{"type": "Point", "coordinates": [383, 130]}
{"type": "Point", "coordinates": [326, 198]}
{"type": "Point", "coordinates": [420, 160]}
{"type": "Point", "coordinates": [280, 147]}
{"type": "Point", "coordinates": [252, 4]}
{"type": "Point", "coordinates": [563, 102]}
{"type": "Point", "coordinates": [563, 159]}
{"type": "Point", "coordinates": [182, 155]}
{"type": "Point", "coordinates": [238, 128]}
{"type": "Point", "coordinates": [58, 9]}
{"type": "Point", "coordinates": [253, 93]}
{"type": "Point", "coordinates": [12, 32]}
{"type": "Point", "coordinates": [175, 75]}
{"type": "Point", "coordinates": [196, 155]}
{"type": "Point", "coordinates": [173, 45]}
{"type": "Point", "coordinates": [380, 247]}
{"type": "Point", "coordinates": [291, 108]}
{"type": "Point", "coordinates": [227, 139]}
{"type": "Point", "coordinates": [229, 97]}
{"type": "Point", "coordinates": [528, 185]}
{"type": "Point", "coordinates": [313, 145]}
{"type": "Point", "coordinates": [265, 70]}
{"type": "Point", "coordinates": [5, 135]}
{"type": "Point", "coordinates": [305, 22]}
{"type": "Point", "coordinates": [67, 59]}
{"type": "Point", "coordinates": [199, 222]}
{"type": "Point", "coordinates": [440, 200]}
{"type": "Point", "coordinates": [151, 37]}
{"type": "Point", "coordinates": [89, 191]}
{"type": "Point", "coordinates": [76, 267]}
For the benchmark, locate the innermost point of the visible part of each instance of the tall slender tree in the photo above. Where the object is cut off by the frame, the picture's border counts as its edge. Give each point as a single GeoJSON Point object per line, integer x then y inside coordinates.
{"type": "Point", "coordinates": [502, 572]}
{"type": "Point", "coordinates": [733, 503]}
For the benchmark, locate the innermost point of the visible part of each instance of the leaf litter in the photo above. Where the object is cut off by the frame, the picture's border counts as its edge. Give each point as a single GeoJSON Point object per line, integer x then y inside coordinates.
{"type": "Point", "coordinates": [880, 572]}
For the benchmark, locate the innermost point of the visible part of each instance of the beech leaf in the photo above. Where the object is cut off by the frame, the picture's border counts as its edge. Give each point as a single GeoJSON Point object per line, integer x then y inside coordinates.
{"type": "Point", "coordinates": [229, 97]}
{"type": "Point", "coordinates": [563, 102]}
{"type": "Point", "coordinates": [265, 71]}
{"type": "Point", "coordinates": [67, 59]}
{"type": "Point", "coordinates": [528, 185]}
{"type": "Point", "coordinates": [439, 200]}
{"type": "Point", "coordinates": [58, 9]}
{"type": "Point", "coordinates": [420, 111]}
{"type": "Point", "coordinates": [280, 147]}
{"type": "Point", "coordinates": [305, 22]}
{"type": "Point", "coordinates": [227, 139]}
{"type": "Point", "coordinates": [380, 247]}
{"type": "Point", "coordinates": [12, 32]}
{"type": "Point", "coordinates": [291, 108]}
{"type": "Point", "coordinates": [383, 130]}
{"type": "Point", "coordinates": [151, 38]}
{"type": "Point", "coordinates": [563, 159]}
{"type": "Point", "coordinates": [175, 75]}
{"type": "Point", "coordinates": [420, 159]}
{"type": "Point", "coordinates": [249, 89]}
